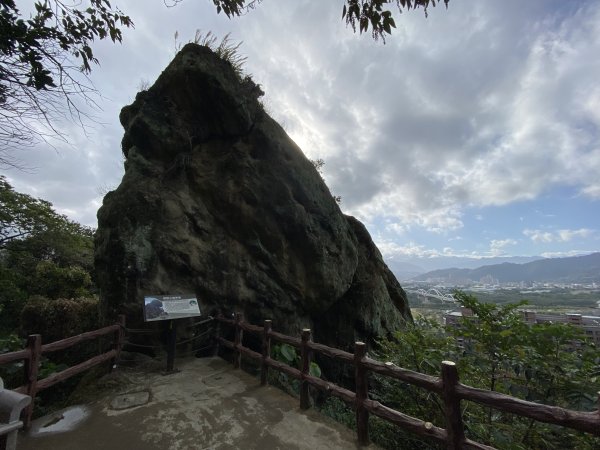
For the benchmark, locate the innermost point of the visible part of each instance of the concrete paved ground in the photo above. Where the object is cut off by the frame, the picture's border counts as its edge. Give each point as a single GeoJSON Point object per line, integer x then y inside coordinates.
{"type": "Point", "coordinates": [207, 405]}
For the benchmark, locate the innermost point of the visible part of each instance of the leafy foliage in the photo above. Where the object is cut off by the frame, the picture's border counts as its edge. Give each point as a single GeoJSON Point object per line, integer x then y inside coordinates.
{"type": "Point", "coordinates": [41, 253]}
{"type": "Point", "coordinates": [60, 318]}
{"type": "Point", "coordinates": [11, 373]}
{"type": "Point", "coordinates": [21, 215]}
{"type": "Point", "coordinates": [39, 56]}
{"type": "Point", "coordinates": [495, 350]}
{"type": "Point", "coordinates": [235, 7]}
{"type": "Point", "coordinates": [288, 355]}
{"type": "Point", "coordinates": [226, 49]}
{"type": "Point", "coordinates": [319, 165]}
{"type": "Point", "coordinates": [373, 14]}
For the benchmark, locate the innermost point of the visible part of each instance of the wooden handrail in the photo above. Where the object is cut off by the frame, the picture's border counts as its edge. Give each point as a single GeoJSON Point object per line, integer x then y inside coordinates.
{"type": "Point", "coordinates": [32, 354]}
{"type": "Point", "coordinates": [19, 355]}
{"type": "Point", "coordinates": [251, 328]}
{"type": "Point", "coordinates": [332, 352]}
{"type": "Point", "coordinates": [448, 387]}
{"type": "Point", "coordinates": [409, 376]}
{"type": "Point", "coordinates": [74, 370]}
{"type": "Point", "coordinates": [70, 341]}
{"type": "Point", "coordinates": [294, 342]}
{"type": "Point", "coordinates": [582, 421]}
{"type": "Point", "coordinates": [417, 426]}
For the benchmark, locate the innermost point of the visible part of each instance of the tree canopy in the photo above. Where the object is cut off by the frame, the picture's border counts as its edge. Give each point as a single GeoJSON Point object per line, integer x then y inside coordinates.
{"type": "Point", "coordinates": [41, 253]}
{"type": "Point", "coordinates": [494, 349]}
{"type": "Point", "coordinates": [364, 14]}
{"type": "Point", "coordinates": [40, 61]}
{"type": "Point", "coordinates": [22, 216]}
{"type": "Point", "coordinates": [361, 14]}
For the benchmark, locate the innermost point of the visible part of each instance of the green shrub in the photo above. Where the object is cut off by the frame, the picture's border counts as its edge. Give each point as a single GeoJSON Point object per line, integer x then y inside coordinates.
{"type": "Point", "coordinates": [60, 318]}
{"type": "Point", "coordinates": [545, 363]}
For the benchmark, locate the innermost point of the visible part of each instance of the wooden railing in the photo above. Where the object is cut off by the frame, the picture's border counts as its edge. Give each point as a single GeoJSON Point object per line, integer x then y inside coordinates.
{"type": "Point", "coordinates": [34, 351]}
{"type": "Point", "coordinates": [448, 387]}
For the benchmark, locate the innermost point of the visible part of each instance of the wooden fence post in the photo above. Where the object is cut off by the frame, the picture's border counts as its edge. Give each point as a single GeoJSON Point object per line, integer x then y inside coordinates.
{"type": "Point", "coordinates": [34, 345]}
{"type": "Point", "coordinates": [266, 352]}
{"type": "Point", "coordinates": [598, 393]}
{"type": "Point", "coordinates": [217, 334]}
{"type": "Point", "coordinates": [362, 393]}
{"type": "Point", "coordinates": [119, 339]}
{"type": "Point", "coordinates": [305, 357]}
{"type": "Point", "coordinates": [454, 423]}
{"type": "Point", "coordinates": [239, 336]}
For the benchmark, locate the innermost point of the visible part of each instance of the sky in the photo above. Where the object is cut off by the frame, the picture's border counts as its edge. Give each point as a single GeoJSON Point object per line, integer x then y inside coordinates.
{"type": "Point", "coordinates": [473, 132]}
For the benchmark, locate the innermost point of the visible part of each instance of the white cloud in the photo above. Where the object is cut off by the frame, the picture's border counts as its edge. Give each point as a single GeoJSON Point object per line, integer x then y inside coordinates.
{"type": "Point", "coordinates": [568, 235]}
{"type": "Point", "coordinates": [419, 129]}
{"type": "Point", "coordinates": [397, 228]}
{"type": "Point", "coordinates": [391, 249]}
{"type": "Point", "coordinates": [540, 236]}
{"type": "Point", "coordinates": [567, 253]}
{"type": "Point", "coordinates": [497, 246]}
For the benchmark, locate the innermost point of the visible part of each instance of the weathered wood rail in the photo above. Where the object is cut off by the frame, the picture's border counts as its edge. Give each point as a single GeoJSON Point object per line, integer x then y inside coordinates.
{"type": "Point", "coordinates": [448, 387]}
{"type": "Point", "coordinates": [32, 354]}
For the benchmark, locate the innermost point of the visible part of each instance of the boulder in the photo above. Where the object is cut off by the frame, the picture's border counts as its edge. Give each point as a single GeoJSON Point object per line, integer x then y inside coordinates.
{"type": "Point", "coordinates": [219, 201]}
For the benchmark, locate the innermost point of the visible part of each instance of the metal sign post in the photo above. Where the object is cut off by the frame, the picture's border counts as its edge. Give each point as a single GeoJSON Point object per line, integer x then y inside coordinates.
{"type": "Point", "coordinates": [170, 308]}
{"type": "Point", "coordinates": [171, 340]}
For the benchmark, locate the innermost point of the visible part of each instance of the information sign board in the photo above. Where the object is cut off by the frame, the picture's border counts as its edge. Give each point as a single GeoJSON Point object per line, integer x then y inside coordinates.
{"type": "Point", "coordinates": [169, 307]}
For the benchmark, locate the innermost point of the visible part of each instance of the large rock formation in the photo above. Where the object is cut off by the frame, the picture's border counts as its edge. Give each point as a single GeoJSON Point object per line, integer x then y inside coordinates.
{"type": "Point", "coordinates": [217, 200]}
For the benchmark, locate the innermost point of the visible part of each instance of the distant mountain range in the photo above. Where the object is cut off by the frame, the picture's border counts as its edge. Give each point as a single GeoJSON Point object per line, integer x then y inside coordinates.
{"type": "Point", "coordinates": [407, 269]}
{"type": "Point", "coordinates": [576, 269]}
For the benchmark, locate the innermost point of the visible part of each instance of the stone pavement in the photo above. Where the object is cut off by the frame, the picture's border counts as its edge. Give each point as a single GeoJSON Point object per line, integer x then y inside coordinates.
{"type": "Point", "coordinates": [206, 405]}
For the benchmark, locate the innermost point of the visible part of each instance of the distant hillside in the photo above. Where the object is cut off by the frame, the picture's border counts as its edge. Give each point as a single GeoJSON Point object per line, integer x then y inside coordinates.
{"type": "Point", "coordinates": [407, 267]}
{"type": "Point", "coordinates": [576, 269]}
{"type": "Point", "coordinates": [405, 270]}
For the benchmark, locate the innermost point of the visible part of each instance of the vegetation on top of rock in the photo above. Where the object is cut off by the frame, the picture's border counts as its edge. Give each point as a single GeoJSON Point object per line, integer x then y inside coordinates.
{"type": "Point", "coordinates": [226, 49]}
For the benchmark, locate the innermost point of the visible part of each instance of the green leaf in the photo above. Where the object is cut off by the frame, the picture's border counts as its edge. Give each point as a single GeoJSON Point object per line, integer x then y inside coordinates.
{"type": "Point", "coordinates": [288, 352]}
{"type": "Point", "coordinates": [386, 27]}
{"type": "Point", "coordinates": [314, 370]}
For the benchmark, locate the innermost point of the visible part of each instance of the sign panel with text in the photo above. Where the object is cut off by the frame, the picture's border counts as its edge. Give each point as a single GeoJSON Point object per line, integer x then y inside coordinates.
{"type": "Point", "coordinates": [169, 307]}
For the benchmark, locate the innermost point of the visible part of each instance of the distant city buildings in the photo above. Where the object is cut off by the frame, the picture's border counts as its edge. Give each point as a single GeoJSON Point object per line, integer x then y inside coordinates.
{"type": "Point", "coordinates": [489, 283]}
{"type": "Point", "coordinates": [590, 324]}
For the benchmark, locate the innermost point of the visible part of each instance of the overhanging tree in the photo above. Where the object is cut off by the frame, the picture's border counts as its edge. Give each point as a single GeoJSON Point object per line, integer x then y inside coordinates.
{"type": "Point", "coordinates": [362, 14]}
{"type": "Point", "coordinates": [43, 63]}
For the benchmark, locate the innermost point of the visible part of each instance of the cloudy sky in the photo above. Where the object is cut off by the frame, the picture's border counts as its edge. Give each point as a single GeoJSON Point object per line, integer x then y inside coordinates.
{"type": "Point", "coordinates": [473, 132]}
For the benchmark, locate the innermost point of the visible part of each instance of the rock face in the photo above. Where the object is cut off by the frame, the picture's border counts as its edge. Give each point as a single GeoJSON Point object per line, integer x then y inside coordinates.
{"type": "Point", "coordinates": [217, 200]}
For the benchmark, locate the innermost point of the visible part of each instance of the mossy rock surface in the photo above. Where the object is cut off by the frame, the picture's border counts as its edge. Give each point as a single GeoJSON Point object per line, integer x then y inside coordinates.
{"type": "Point", "coordinates": [218, 200]}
